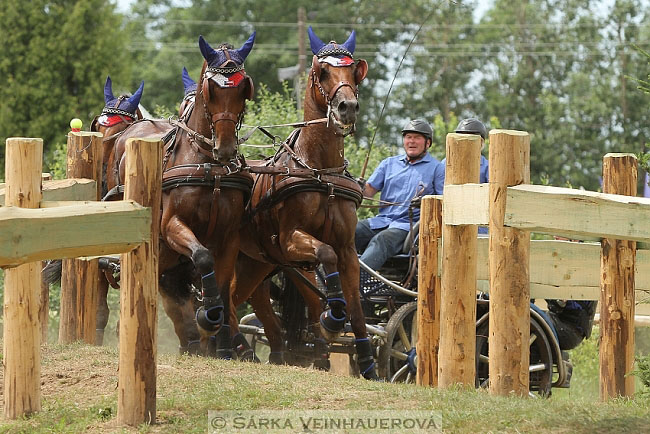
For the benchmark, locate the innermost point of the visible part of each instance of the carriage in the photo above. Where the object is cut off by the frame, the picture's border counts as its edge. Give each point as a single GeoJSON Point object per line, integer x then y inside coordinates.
{"type": "Point", "coordinates": [390, 308]}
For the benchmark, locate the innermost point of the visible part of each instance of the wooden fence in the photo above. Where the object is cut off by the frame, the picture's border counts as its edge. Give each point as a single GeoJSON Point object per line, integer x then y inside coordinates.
{"type": "Point", "coordinates": [47, 220]}
{"type": "Point", "coordinates": [513, 269]}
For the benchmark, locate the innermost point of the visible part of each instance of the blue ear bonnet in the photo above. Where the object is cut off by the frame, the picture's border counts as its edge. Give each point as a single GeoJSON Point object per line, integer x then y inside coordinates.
{"type": "Point", "coordinates": [321, 49]}
{"type": "Point", "coordinates": [122, 105]}
{"type": "Point", "coordinates": [189, 85]}
{"type": "Point", "coordinates": [224, 57]}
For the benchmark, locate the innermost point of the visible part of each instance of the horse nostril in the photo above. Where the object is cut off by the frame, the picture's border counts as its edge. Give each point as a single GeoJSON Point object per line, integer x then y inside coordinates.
{"type": "Point", "coordinates": [343, 107]}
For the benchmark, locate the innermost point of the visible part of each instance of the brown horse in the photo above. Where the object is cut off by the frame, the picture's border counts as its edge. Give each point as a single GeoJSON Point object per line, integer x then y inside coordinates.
{"type": "Point", "coordinates": [303, 207]}
{"type": "Point", "coordinates": [204, 195]}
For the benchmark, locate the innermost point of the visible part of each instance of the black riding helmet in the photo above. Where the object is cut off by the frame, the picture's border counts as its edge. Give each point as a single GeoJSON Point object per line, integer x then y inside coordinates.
{"type": "Point", "coordinates": [418, 126]}
{"type": "Point", "coordinates": [472, 126]}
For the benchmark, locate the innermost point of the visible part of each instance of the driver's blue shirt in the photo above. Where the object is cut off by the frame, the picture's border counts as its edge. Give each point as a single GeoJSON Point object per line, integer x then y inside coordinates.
{"type": "Point", "coordinates": [400, 181]}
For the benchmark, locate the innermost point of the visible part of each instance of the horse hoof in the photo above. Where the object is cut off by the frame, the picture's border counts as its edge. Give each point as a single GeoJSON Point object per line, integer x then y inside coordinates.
{"type": "Point", "coordinates": [276, 359]}
{"type": "Point", "coordinates": [322, 364]}
{"type": "Point", "coordinates": [371, 374]}
{"type": "Point", "coordinates": [211, 319]}
{"type": "Point", "coordinates": [330, 325]}
{"type": "Point", "coordinates": [328, 335]}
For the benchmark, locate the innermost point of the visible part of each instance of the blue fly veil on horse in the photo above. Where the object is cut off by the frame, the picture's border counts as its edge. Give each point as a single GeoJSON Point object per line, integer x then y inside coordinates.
{"type": "Point", "coordinates": [333, 53]}
{"type": "Point", "coordinates": [117, 107]}
{"type": "Point", "coordinates": [225, 64]}
{"type": "Point", "coordinates": [189, 85]}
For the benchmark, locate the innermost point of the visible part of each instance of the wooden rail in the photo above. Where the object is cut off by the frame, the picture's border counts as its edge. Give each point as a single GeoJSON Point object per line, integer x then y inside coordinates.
{"type": "Point", "coordinates": [610, 270]}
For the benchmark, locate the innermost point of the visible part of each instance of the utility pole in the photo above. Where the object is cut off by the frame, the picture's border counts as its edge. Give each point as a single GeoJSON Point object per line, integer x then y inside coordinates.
{"type": "Point", "coordinates": [302, 57]}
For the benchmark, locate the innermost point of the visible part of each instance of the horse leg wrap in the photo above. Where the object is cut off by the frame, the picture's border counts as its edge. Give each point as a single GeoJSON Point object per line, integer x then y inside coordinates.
{"type": "Point", "coordinates": [210, 316]}
{"type": "Point", "coordinates": [365, 360]}
{"type": "Point", "coordinates": [333, 319]}
{"type": "Point", "coordinates": [223, 343]}
{"type": "Point", "coordinates": [244, 351]}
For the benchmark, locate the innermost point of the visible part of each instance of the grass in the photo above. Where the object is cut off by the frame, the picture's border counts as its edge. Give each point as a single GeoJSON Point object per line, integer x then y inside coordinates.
{"type": "Point", "coordinates": [79, 395]}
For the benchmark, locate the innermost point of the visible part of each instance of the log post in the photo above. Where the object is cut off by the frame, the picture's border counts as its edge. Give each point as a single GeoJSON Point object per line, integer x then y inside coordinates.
{"type": "Point", "coordinates": [22, 332]}
{"type": "Point", "coordinates": [458, 283]}
{"type": "Point", "coordinates": [78, 277]}
{"type": "Point", "coordinates": [136, 402]}
{"type": "Point", "coordinates": [428, 313]}
{"type": "Point", "coordinates": [617, 263]}
{"type": "Point", "coordinates": [509, 263]}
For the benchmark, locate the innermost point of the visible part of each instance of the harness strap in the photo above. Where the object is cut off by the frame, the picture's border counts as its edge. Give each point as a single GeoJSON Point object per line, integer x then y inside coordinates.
{"type": "Point", "coordinates": [327, 226]}
{"type": "Point", "coordinates": [194, 138]}
{"type": "Point", "coordinates": [214, 207]}
{"type": "Point", "coordinates": [225, 116]}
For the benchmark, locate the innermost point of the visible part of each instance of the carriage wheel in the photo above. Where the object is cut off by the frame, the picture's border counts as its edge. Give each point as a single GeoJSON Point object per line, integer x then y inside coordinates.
{"type": "Point", "coordinates": [541, 359]}
{"type": "Point", "coordinates": [396, 359]}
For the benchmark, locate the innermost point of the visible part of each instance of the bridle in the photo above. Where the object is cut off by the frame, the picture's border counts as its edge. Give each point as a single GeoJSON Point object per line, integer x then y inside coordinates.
{"type": "Point", "coordinates": [213, 118]}
{"type": "Point", "coordinates": [329, 96]}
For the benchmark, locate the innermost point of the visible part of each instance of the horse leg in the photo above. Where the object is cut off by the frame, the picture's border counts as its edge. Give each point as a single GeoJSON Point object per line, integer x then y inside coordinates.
{"type": "Point", "coordinates": [302, 247]}
{"type": "Point", "coordinates": [102, 310]}
{"type": "Point", "coordinates": [260, 300]}
{"type": "Point", "coordinates": [348, 266]}
{"type": "Point", "coordinates": [249, 275]}
{"type": "Point", "coordinates": [210, 315]}
{"type": "Point", "coordinates": [181, 313]}
{"type": "Point", "coordinates": [314, 309]}
{"type": "Point", "coordinates": [174, 287]}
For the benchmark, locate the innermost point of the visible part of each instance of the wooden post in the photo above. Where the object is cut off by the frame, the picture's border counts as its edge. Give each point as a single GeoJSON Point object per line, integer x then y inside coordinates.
{"type": "Point", "coordinates": [79, 278]}
{"type": "Point", "coordinates": [617, 263]}
{"type": "Point", "coordinates": [22, 333]}
{"type": "Point", "coordinates": [136, 402]}
{"type": "Point", "coordinates": [428, 292]}
{"type": "Point", "coordinates": [457, 357]}
{"type": "Point", "coordinates": [509, 257]}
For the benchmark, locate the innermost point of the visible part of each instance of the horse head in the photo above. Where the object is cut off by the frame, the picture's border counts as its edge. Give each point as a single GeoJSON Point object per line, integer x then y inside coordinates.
{"type": "Point", "coordinates": [223, 90]}
{"type": "Point", "coordinates": [117, 114]}
{"type": "Point", "coordinates": [334, 79]}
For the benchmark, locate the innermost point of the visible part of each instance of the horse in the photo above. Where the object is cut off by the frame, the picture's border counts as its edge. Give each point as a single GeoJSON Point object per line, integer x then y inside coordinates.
{"type": "Point", "coordinates": [204, 195]}
{"type": "Point", "coordinates": [303, 206]}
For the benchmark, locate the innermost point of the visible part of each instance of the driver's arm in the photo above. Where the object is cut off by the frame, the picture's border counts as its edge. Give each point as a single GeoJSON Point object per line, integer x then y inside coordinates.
{"type": "Point", "coordinates": [369, 191]}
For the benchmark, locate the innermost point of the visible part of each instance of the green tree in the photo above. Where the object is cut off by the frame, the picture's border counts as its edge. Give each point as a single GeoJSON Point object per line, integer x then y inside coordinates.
{"type": "Point", "coordinates": [54, 59]}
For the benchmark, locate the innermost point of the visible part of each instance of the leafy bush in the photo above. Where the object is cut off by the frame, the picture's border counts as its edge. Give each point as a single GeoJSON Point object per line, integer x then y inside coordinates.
{"type": "Point", "coordinates": [643, 369]}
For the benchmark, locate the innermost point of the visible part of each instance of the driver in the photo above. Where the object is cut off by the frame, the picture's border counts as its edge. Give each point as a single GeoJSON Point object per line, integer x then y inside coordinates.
{"type": "Point", "coordinates": [400, 179]}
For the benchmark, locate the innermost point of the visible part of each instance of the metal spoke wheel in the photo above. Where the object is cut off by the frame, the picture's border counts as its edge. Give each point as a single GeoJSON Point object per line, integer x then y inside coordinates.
{"type": "Point", "coordinates": [396, 359]}
{"type": "Point", "coordinates": [541, 359]}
